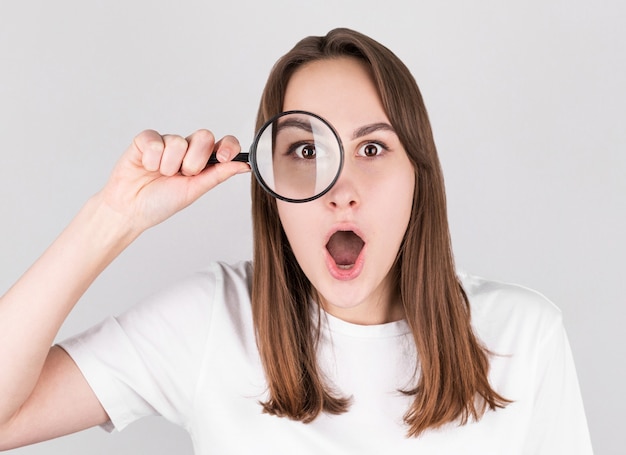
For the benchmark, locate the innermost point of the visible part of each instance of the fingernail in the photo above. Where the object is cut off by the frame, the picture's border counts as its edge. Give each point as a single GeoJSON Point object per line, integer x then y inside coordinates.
{"type": "Point", "coordinates": [244, 170]}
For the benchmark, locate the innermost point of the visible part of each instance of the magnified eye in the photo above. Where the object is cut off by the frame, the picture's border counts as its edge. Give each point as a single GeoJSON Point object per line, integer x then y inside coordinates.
{"type": "Point", "coordinates": [306, 151]}
{"type": "Point", "coordinates": [370, 149]}
{"type": "Point", "coordinates": [297, 156]}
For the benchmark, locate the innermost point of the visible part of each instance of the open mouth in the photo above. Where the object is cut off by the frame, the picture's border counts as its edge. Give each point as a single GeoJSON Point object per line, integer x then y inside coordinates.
{"type": "Point", "coordinates": [344, 247]}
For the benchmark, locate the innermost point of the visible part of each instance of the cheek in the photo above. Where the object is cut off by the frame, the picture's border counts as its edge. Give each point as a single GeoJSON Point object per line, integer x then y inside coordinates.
{"type": "Point", "coordinates": [285, 217]}
{"type": "Point", "coordinates": [296, 223]}
{"type": "Point", "coordinates": [403, 189]}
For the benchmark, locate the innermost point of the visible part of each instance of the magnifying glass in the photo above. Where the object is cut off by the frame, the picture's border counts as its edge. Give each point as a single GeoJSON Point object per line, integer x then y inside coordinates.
{"type": "Point", "coordinates": [296, 156]}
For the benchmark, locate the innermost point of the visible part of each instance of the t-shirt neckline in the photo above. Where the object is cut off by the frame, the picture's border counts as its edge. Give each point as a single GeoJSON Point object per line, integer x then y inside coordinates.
{"type": "Point", "coordinates": [388, 329]}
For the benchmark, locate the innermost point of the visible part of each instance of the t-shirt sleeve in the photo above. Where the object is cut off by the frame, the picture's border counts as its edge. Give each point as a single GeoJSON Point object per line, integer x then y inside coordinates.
{"type": "Point", "coordinates": [559, 424]}
{"type": "Point", "coordinates": [147, 361]}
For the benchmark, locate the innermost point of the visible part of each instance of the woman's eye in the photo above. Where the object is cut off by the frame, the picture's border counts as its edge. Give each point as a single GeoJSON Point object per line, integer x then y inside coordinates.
{"type": "Point", "coordinates": [371, 149]}
{"type": "Point", "coordinates": [306, 151]}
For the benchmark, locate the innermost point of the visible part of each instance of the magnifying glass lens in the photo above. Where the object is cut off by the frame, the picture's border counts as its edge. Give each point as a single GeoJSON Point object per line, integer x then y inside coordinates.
{"type": "Point", "coordinates": [297, 156]}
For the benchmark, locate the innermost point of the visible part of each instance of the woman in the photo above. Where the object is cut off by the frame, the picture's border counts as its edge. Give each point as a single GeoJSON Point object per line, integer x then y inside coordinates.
{"type": "Point", "coordinates": [350, 332]}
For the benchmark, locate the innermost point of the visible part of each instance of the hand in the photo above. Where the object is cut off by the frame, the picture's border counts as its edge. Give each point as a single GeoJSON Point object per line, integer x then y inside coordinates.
{"type": "Point", "coordinates": [159, 175]}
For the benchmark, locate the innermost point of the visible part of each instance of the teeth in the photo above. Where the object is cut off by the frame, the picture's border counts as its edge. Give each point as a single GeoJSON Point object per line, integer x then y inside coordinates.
{"type": "Point", "coordinates": [345, 267]}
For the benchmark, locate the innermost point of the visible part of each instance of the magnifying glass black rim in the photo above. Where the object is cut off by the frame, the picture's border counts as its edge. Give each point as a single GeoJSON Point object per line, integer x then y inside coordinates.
{"type": "Point", "coordinates": [257, 173]}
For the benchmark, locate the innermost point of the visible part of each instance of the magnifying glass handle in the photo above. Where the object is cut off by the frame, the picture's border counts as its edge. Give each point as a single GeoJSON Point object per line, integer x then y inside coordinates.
{"type": "Point", "coordinates": [243, 157]}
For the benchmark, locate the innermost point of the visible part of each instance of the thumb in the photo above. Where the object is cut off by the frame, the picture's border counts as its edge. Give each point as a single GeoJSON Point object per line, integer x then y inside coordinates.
{"type": "Point", "coordinates": [214, 175]}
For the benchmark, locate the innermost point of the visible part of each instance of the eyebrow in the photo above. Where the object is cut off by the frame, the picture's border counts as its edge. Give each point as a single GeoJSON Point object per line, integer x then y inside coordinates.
{"type": "Point", "coordinates": [367, 129]}
{"type": "Point", "coordinates": [294, 123]}
{"type": "Point", "coordinates": [359, 132]}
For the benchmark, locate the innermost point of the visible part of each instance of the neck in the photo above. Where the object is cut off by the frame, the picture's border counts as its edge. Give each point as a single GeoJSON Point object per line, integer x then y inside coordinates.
{"type": "Point", "coordinates": [381, 311]}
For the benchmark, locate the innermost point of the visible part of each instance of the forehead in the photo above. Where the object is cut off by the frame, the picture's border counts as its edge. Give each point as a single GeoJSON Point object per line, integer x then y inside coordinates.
{"type": "Point", "coordinates": [338, 89]}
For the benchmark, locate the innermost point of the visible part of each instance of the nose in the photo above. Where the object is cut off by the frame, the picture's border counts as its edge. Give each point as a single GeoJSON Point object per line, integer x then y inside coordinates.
{"type": "Point", "coordinates": [344, 193]}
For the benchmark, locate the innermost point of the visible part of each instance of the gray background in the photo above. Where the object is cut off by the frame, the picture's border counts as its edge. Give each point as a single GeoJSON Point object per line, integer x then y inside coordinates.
{"type": "Point", "coordinates": [527, 102]}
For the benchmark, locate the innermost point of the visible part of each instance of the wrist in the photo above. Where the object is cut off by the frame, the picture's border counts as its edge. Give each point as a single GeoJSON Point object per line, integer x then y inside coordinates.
{"type": "Point", "coordinates": [103, 228]}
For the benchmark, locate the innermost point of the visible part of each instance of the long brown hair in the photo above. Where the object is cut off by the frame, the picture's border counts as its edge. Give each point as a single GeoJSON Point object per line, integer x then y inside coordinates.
{"type": "Point", "coordinates": [453, 383]}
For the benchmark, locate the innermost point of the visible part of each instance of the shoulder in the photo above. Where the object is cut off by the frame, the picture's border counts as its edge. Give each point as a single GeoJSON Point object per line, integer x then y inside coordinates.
{"type": "Point", "coordinates": [189, 306]}
{"type": "Point", "coordinates": [499, 308]}
{"type": "Point", "coordinates": [231, 299]}
{"type": "Point", "coordinates": [231, 278]}
{"type": "Point", "coordinates": [219, 275]}
{"type": "Point", "coordinates": [201, 290]}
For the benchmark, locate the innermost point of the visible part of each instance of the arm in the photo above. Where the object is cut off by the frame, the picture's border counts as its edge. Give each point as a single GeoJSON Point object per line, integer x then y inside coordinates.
{"type": "Point", "coordinates": [155, 178]}
{"type": "Point", "coordinates": [61, 403]}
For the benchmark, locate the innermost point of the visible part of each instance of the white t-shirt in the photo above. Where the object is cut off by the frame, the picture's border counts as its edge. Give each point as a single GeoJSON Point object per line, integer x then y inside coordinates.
{"type": "Point", "coordinates": [189, 354]}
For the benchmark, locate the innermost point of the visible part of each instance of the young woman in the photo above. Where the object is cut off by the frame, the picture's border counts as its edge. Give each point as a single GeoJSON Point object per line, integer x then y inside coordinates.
{"type": "Point", "coordinates": [349, 332]}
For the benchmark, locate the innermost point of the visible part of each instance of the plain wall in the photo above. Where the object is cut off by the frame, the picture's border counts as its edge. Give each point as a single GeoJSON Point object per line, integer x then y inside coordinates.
{"type": "Point", "coordinates": [526, 99]}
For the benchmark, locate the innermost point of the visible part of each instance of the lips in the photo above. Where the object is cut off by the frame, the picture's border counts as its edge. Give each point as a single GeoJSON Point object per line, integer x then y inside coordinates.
{"type": "Point", "coordinates": [345, 247]}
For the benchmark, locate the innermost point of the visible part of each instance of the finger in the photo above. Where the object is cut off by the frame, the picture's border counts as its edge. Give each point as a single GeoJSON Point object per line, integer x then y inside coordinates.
{"type": "Point", "coordinates": [173, 154]}
{"type": "Point", "coordinates": [214, 175]}
{"type": "Point", "coordinates": [150, 146]}
{"type": "Point", "coordinates": [201, 145]}
{"type": "Point", "coordinates": [227, 148]}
